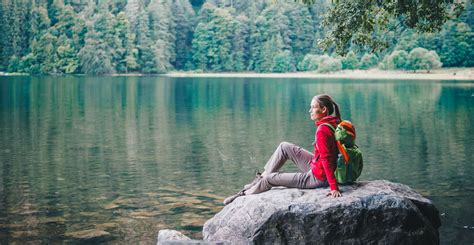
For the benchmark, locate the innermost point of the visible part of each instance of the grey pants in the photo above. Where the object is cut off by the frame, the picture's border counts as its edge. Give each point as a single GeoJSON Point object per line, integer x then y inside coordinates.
{"type": "Point", "coordinates": [303, 180]}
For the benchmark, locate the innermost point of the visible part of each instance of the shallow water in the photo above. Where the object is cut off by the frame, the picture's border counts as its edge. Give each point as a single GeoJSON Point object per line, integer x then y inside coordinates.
{"type": "Point", "coordinates": [116, 159]}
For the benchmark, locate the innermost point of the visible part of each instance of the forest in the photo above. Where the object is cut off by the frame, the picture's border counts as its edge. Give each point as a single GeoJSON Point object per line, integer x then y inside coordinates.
{"type": "Point", "coordinates": [158, 36]}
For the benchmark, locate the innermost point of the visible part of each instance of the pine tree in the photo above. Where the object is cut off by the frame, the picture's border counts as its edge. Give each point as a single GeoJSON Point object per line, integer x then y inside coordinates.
{"type": "Point", "coordinates": [212, 44]}
{"type": "Point", "coordinates": [271, 48]}
{"type": "Point", "coordinates": [15, 30]}
{"type": "Point", "coordinates": [133, 9]}
{"type": "Point", "coordinates": [258, 37]}
{"type": "Point", "coordinates": [125, 57]}
{"type": "Point", "coordinates": [200, 45]}
{"type": "Point", "coordinates": [2, 37]}
{"type": "Point", "coordinates": [146, 48]}
{"type": "Point", "coordinates": [94, 57]}
{"type": "Point", "coordinates": [98, 52]}
{"type": "Point", "coordinates": [240, 43]}
{"type": "Point", "coordinates": [185, 18]}
{"type": "Point", "coordinates": [301, 30]}
{"type": "Point", "coordinates": [163, 33]}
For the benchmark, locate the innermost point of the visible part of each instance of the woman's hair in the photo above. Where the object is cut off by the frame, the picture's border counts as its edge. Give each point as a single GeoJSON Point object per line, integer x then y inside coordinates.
{"type": "Point", "coordinates": [328, 102]}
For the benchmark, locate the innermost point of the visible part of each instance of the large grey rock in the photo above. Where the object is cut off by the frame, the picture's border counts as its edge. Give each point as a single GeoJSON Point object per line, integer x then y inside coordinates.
{"type": "Point", "coordinates": [374, 212]}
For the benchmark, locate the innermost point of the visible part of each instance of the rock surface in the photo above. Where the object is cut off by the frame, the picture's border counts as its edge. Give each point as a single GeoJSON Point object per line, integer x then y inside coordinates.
{"type": "Point", "coordinates": [373, 212]}
{"type": "Point", "coordinates": [172, 237]}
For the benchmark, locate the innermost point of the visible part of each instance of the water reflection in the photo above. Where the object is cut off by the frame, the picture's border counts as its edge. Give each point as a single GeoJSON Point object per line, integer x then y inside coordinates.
{"type": "Point", "coordinates": [108, 159]}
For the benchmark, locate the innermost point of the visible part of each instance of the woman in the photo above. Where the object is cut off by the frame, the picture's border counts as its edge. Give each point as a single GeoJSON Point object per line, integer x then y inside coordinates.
{"type": "Point", "coordinates": [316, 170]}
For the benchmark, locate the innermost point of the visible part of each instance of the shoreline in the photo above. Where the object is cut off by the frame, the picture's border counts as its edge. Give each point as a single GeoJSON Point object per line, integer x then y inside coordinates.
{"type": "Point", "coordinates": [440, 74]}
{"type": "Point", "coordinates": [464, 74]}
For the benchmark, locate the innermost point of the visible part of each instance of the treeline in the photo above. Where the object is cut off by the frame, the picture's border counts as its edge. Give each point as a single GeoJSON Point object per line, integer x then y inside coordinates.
{"type": "Point", "coordinates": [96, 37]}
{"type": "Point", "coordinates": [156, 36]}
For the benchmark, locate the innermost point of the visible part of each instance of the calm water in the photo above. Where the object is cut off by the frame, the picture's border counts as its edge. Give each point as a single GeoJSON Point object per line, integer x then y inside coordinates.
{"type": "Point", "coordinates": [119, 158]}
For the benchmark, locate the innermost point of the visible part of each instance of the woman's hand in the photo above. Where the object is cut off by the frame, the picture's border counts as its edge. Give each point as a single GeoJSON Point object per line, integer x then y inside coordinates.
{"type": "Point", "coordinates": [334, 193]}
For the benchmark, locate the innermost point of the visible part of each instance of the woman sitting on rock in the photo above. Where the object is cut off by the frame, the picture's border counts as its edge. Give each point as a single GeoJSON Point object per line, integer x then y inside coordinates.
{"type": "Point", "coordinates": [316, 170]}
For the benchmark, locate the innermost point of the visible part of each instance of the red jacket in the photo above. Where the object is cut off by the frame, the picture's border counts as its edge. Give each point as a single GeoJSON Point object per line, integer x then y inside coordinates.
{"type": "Point", "coordinates": [324, 161]}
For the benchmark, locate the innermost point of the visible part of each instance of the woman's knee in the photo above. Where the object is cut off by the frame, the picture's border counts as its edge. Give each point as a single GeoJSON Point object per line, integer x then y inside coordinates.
{"type": "Point", "coordinates": [285, 145]}
{"type": "Point", "coordinates": [270, 179]}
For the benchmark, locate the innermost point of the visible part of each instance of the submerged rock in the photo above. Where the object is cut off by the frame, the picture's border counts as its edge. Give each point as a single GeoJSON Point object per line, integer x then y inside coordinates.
{"type": "Point", "coordinates": [373, 212]}
{"type": "Point", "coordinates": [92, 234]}
{"type": "Point", "coordinates": [171, 236]}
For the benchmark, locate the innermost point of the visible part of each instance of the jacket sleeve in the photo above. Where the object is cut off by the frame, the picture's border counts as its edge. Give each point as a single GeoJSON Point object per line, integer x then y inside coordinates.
{"type": "Point", "coordinates": [327, 148]}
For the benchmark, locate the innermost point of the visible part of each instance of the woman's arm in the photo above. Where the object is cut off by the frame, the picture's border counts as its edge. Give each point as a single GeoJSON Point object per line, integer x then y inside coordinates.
{"type": "Point", "coordinates": [327, 147]}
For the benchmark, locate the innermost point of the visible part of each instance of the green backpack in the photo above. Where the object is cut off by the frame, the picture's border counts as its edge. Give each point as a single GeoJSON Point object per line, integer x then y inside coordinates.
{"type": "Point", "coordinates": [349, 161]}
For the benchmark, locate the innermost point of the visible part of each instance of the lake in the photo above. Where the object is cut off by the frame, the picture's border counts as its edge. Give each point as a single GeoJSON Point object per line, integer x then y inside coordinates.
{"type": "Point", "coordinates": [116, 159]}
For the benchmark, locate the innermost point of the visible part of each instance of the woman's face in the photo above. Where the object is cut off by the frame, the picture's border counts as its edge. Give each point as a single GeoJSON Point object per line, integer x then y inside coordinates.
{"type": "Point", "coordinates": [316, 111]}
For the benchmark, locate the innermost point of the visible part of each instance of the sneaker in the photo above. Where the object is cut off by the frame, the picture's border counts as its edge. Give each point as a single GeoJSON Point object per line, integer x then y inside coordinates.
{"type": "Point", "coordinates": [258, 176]}
{"type": "Point", "coordinates": [233, 197]}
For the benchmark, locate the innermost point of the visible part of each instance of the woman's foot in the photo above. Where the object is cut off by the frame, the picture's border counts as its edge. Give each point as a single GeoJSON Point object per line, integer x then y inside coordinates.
{"type": "Point", "coordinates": [233, 197]}
{"type": "Point", "coordinates": [258, 177]}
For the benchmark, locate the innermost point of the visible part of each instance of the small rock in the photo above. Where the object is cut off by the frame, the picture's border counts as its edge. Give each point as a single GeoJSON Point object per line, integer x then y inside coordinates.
{"type": "Point", "coordinates": [87, 234]}
{"type": "Point", "coordinates": [166, 235]}
{"type": "Point", "coordinates": [111, 206]}
{"type": "Point", "coordinates": [53, 220]}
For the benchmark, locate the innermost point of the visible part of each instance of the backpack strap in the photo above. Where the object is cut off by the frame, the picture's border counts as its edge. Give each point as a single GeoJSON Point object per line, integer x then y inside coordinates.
{"type": "Point", "coordinates": [329, 125]}
{"type": "Point", "coordinates": [342, 149]}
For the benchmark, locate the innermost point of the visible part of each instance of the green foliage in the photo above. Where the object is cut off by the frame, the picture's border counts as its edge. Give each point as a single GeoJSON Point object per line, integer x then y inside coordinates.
{"type": "Point", "coordinates": [271, 48]}
{"type": "Point", "coordinates": [212, 43]}
{"type": "Point", "coordinates": [67, 61]}
{"type": "Point", "coordinates": [301, 30]}
{"type": "Point", "coordinates": [240, 43]}
{"type": "Point", "coordinates": [457, 48]}
{"type": "Point", "coordinates": [368, 61]}
{"type": "Point", "coordinates": [329, 64]}
{"type": "Point", "coordinates": [361, 18]}
{"type": "Point", "coordinates": [422, 59]}
{"type": "Point", "coordinates": [156, 36]}
{"type": "Point", "coordinates": [29, 64]}
{"type": "Point", "coordinates": [14, 38]}
{"type": "Point", "coordinates": [349, 61]}
{"type": "Point", "coordinates": [257, 35]}
{"type": "Point", "coordinates": [397, 60]}
{"type": "Point", "coordinates": [146, 50]}
{"type": "Point", "coordinates": [163, 33]}
{"type": "Point", "coordinates": [14, 64]}
{"type": "Point", "coordinates": [408, 41]}
{"type": "Point", "coordinates": [283, 62]}
{"type": "Point", "coordinates": [125, 56]}
{"type": "Point", "coordinates": [309, 63]}
{"type": "Point", "coordinates": [94, 56]}
{"type": "Point", "coordinates": [185, 20]}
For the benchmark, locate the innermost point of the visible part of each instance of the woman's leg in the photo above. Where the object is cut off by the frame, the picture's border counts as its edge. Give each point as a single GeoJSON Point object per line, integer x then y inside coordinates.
{"type": "Point", "coordinates": [292, 180]}
{"type": "Point", "coordinates": [287, 151]}
{"type": "Point", "coordinates": [270, 177]}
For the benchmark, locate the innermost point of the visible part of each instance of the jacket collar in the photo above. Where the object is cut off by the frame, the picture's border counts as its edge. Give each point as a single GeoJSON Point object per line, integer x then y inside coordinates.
{"type": "Point", "coordinates": [328, 119]}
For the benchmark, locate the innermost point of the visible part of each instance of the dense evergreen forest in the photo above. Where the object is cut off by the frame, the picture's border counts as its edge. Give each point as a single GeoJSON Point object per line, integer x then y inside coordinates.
{"type": "Point", "coordinates": [156, 36]}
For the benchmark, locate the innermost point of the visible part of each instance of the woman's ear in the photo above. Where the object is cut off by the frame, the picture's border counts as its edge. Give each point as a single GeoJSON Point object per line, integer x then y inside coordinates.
{"type": "Point", "coordinates": [324, 110]}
